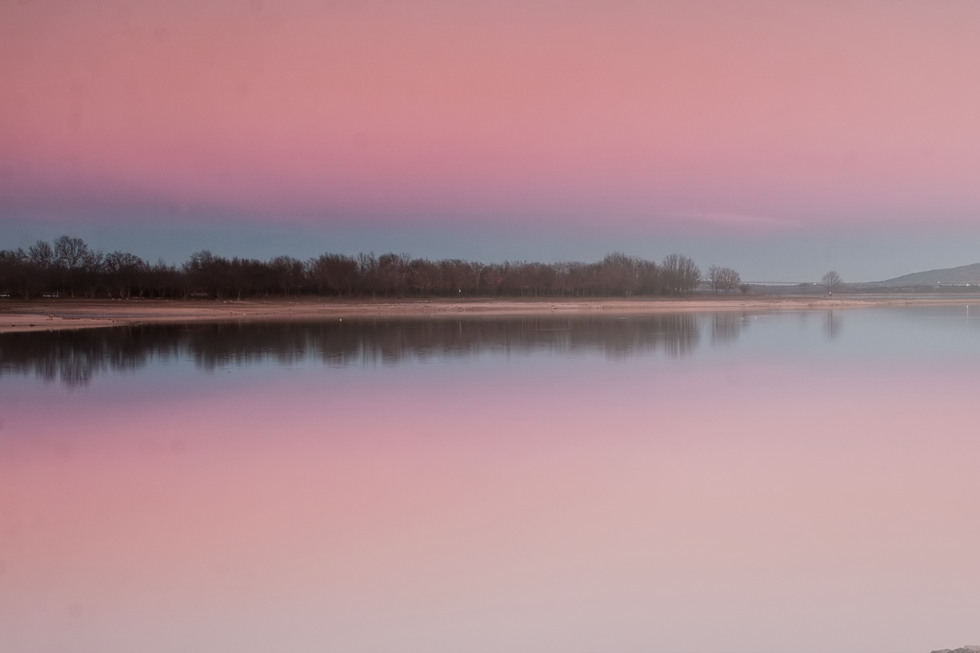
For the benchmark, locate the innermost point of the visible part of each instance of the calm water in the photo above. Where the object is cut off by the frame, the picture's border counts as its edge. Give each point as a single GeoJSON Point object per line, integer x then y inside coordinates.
{"type": "Point", "coordinates": [684, 483]}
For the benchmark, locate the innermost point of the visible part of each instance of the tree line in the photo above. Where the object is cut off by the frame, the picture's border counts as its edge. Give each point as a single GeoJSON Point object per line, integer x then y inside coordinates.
{"type": "Point", "coordinates": [68, 267]}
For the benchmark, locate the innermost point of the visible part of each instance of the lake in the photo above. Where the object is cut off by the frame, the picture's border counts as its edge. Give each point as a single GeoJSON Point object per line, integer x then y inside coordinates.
{"type": "Point", "coordinates": [696, 482]}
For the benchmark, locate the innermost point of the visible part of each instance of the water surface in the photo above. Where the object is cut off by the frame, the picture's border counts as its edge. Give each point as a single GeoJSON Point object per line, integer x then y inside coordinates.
{"type": "Point", "coordinates": [793, 481]}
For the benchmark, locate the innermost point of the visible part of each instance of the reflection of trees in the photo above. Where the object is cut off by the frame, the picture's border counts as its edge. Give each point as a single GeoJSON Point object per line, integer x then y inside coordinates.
{"type": "Point", "coordinates": [726, 327]}
{"type": "Point", "coordinates": [831, 325]}
{"type": "Point", "coordinates": [75, 357]}
{"type": "Point", "coordinates": [680, 334]}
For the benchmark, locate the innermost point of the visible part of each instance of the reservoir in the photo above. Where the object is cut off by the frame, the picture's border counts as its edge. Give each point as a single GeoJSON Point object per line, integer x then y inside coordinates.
{"type": "Point", "coordinates": [737, 482]}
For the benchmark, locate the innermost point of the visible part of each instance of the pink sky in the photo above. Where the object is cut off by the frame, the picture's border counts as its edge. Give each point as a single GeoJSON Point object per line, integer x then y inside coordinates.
{"type": "Point", "coordinates": [766, 119]}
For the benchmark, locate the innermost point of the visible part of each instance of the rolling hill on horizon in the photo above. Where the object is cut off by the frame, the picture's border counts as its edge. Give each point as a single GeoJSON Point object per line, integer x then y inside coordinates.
{"type": "Point", "coordinates": [960, 275]}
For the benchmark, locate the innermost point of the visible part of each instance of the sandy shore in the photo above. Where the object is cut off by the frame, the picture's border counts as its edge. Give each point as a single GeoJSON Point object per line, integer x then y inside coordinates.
{"type": "Point", "coordinates": [54, 314]}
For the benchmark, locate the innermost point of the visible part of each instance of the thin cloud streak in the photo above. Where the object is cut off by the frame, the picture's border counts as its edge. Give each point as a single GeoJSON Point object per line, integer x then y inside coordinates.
{"type": "Point", "coordinates": [740, 220]}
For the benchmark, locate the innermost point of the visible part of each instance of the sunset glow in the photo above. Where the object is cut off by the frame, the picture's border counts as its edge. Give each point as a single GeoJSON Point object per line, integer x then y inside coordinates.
{"type": "Point", "coordinates": [776, 121]}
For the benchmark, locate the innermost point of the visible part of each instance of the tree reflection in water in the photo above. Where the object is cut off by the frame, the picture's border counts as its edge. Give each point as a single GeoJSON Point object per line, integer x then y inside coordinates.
{"type": "Point", "coordinates": [831, 325]}
{"type": "Point", "coordinates": [75, 357]}
{"type": "Point", "coordinates": [726, 327]}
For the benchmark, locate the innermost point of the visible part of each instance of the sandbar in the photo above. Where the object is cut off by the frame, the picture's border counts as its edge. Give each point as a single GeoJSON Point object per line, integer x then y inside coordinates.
{"type": "Point", "coordinates": [58, 314]}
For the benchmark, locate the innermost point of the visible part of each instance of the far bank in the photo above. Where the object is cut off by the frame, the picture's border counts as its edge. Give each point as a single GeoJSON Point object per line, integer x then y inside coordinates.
{"type": "Point", "coordinates": [56, 314]}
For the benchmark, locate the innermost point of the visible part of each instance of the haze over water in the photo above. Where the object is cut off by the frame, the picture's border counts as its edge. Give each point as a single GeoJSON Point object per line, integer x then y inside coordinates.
{"type": "Point", "coordinates": [791, 482]}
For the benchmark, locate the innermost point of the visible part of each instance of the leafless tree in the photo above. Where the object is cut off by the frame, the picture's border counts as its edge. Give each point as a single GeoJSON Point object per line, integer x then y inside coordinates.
{"type": "Point", "coordinates": [78, 265]}
{"type": "Point", "coordinates": [288, 274]}
{"type": "Point", "coordinates": [71, 267]}
{"type": "Point", "coordinates": [725, 279]}
{"type": "Point", "coordinates": [618, 274]}
{"type": "Point", "coordinates": [334, 273]}
{"type": "Point", "coordinates": [122, 271]}
{"type": "Point", "coordinates": [70, 252]}
{"type": "Point", "coordinates": [42, 276]}
{"type": "Point", "coordinates": [41, 254]}
{"type": "Point", "coordinates": [679, 274]}
{"type": "Point", "coordinates": [831, 282]}
{"type": "Point", "coordinates": [207, 273]}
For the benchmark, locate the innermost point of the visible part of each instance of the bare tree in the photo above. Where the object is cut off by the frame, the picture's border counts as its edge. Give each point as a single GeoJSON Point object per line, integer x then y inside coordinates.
{"type": "Point", "coordinates": [391, 273]}
{"type": "Point", "coordinates": [649, 276]}
{"type": "Point", "coordinates": [423, 276]}
{"type": "Point", "coordinates": [334, 273]}
{"type": "Point", "coordinates": [831, 282]}
{"type": "Point", "coordinates": [679, 274]}
{"type": "Point", "coordinates": [617, 274]}
{"type": "Point", "coordinates": [122, 270]}
{"type": "Point", "coordinates": [723, 278]}
{"type": "Point", "coordinates": [69, 252]}
{"type": "Point", "coordinates": [74, 259]}
{"type": "Point", "coordinates": [42, 277]}
{"type": "Point", "coordinates": [41, 254]}
{"type": "Point", "coordinates": [15, 273]}
{"type": "Point", "coordinates": [69, 266]}
{"type": "Point", "coordinates": [287, 274]}
{"type": "Point", "coordinates": [367, 273]}
{"type": "Point", "coordinates": [207, 273]}
{"type": "Point", "coordinates": [494, 277]}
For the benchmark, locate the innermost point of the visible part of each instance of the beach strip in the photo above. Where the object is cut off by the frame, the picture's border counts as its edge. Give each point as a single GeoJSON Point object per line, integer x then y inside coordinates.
{"type": "Point", "coordinates": [58, 314]}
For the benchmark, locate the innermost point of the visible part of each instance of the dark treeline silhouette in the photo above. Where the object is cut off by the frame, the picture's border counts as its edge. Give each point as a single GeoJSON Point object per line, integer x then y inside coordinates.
{"type": "Point", "coordinates": [70, 268]}
{"type": "Point", "coordinates": [75, 357]}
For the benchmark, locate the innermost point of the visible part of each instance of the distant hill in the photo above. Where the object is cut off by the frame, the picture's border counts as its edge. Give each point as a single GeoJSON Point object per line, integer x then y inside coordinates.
{"type": "Point", "coordinates": [959, 276]}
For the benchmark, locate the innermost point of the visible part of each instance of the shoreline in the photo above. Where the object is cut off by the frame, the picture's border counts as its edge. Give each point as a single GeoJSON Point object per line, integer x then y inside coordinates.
{"type": "Point", "coordinates": [69, 314]}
